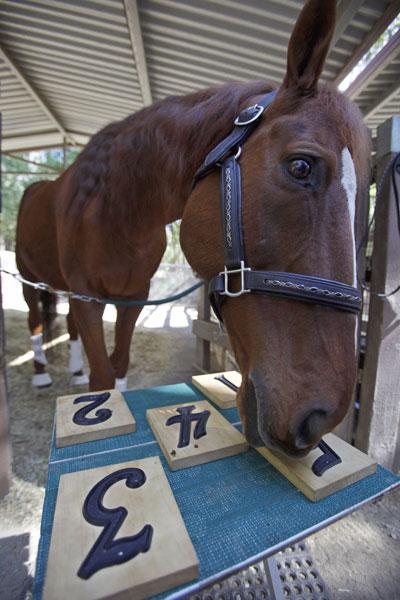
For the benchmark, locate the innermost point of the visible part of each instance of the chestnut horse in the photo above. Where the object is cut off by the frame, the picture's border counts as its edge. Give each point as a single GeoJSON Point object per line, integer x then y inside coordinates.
{"type": "Point", "coordinates": [42, 304]}
{"type": "Point", "coordinates": [100, 230]}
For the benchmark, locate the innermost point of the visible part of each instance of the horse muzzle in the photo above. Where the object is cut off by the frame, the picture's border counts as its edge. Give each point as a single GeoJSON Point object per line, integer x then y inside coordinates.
{"type": "Point", "coordinates": [264, 425]}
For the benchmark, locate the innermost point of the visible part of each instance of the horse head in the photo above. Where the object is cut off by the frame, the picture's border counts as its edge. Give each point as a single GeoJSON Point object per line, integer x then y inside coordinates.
{"type": "Point", "coordinates": [304, 171]}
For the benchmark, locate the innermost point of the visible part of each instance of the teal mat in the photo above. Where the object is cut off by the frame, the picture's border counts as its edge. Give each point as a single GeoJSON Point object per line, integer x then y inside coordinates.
{"type": "Point", "coordinates": [236, 510]}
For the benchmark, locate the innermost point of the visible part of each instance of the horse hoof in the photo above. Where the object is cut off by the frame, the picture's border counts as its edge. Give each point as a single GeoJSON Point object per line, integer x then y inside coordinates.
{"type": "Point", "coordinates": [121, 384]}
{"type": "Point", "coordinates": [81, 379]}
{"type": "Point", "coordinates": [41, 380]}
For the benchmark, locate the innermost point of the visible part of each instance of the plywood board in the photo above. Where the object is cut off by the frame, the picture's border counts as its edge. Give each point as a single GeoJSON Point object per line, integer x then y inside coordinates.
{"type": "Point", "coordinates": [113, 416]}
{"type": "Point", "coordinates": [215, 390]}
{"type": "Point", "coordinates": [221, 439]}
{"type": "Point", "coordinates": [355, 465]}
{"type": "Point", "coordinates": [168, 560]}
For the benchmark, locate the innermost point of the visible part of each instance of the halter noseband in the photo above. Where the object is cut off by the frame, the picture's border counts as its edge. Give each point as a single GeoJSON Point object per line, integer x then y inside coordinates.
{"type": "Point", "coordinates": [288, 285]}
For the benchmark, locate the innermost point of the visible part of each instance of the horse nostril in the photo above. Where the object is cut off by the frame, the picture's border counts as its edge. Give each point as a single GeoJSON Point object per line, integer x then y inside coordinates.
{"type": "Point", "coordinates": [310, 428]}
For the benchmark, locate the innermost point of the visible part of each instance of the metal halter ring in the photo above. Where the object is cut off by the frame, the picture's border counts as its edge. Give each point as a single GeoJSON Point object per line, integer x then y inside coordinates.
{"type": "Point", "coordinates": [236, 156]}
{"type": "Point", "coordinates": [252, 113]}
{"type": "Point", "coordinates": [238, 152]}
{"type": "Point", "coordinates": [226, 272]}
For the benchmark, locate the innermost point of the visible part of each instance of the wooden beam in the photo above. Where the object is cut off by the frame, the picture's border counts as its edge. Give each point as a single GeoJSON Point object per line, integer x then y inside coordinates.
{"type": "Point", "coordinates": [135, 34]}
{"type": "Point", "coordinates": [47, 173]}
{"type": "Point", "coordinates": [346, 11]}
{"type": "Point", "coordinates": [387, 17]}
{"type": "Point", "coordinates": [5, 447]}
{"type": "Point", "coordinates": [378, 431]}
{"type": "Point", "coordinates": [41, 141]}
{"type": "Point", "coordinates": [32, 162]}
{"type": "Point", "coordinates": [30, 89]}
{"type": "Point", "coordinates": [382, 100]}
{"type": "Point", "coordinates": [203, 346]}
{"type": "Point", "coordinates": [211, 332]}
{"type": "Point", "coordinates": [376, 66]}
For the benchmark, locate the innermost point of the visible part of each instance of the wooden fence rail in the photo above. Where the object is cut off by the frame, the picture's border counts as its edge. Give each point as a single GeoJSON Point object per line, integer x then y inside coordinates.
{"type": "Point", "coordinates": [379, 416]}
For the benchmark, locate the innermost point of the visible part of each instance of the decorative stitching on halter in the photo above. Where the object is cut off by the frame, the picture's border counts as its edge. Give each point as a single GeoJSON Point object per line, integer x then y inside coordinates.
{"type": "Point", "coordinates": [312, 290]}
{"type": "Point", "coordinates": [228, 206]}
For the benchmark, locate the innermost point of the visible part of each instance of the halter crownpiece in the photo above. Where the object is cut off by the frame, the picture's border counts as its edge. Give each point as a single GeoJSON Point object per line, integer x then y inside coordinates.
{"type": "Point", "coordinates": [306, 288]}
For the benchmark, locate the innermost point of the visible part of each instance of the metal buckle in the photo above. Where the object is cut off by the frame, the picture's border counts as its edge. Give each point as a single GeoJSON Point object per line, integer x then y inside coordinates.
{"type": "Point", "coordinates": [226, 272]}
{"type": "Point", "coordinates": [259, 110]}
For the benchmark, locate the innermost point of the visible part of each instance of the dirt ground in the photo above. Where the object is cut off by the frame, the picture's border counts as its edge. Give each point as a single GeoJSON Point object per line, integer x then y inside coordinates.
{"type": "Point", "coordinates": [359, 557]}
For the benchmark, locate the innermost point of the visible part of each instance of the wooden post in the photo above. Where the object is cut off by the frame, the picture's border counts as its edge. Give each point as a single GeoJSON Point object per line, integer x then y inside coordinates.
{"type": "Point", "coordinates": [203, 347]}
{"type": "Point", "coordinates": [379, 418]}
{"type": "Point", "coordinates": [5, 448]}
{"type": "Point", "coordinates": [64, 154]}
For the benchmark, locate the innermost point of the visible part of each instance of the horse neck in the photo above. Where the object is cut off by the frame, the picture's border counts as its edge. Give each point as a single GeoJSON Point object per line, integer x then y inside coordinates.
{"type": "Point", "coordinates": [141, 169]}
{"type": "Point", "coordinates": [184, 130]}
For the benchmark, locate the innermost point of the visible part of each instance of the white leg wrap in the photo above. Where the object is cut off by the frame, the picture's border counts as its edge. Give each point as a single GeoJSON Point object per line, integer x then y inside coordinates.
{"type": "Point", "coordinates": [75, 356]}
{"type": "Point", "coordinates": [79, 379]}
{"type": "Point", "coordinates": [121, 384]}
{"type": "Point", "coordinates": [40, 380]}
{"type": "Point", "coordinates": [38, 354]}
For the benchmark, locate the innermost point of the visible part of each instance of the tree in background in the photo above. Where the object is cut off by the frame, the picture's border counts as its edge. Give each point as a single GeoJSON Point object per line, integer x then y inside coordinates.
{"type": "Point", "coordinates": [18, 175]}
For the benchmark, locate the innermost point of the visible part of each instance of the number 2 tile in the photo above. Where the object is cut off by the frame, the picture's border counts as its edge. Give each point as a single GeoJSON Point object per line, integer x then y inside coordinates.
{"type": "Point", "coordinates": [92, 416]}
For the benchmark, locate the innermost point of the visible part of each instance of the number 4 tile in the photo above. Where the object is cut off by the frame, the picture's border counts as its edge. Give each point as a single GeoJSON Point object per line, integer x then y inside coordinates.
{"type": "Point", "coordinates": [194, 433]}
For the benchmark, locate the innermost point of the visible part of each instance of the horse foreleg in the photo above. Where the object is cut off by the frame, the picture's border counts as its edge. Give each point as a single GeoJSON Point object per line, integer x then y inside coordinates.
{"type": "Point", "coordinates": [88, 318]}
{"type": "Point", "coordinates": [126, 320]}
{"type": "Point", "coordinates": [76, 364]}
{"type": "Point", "coordinates": [40, 378]}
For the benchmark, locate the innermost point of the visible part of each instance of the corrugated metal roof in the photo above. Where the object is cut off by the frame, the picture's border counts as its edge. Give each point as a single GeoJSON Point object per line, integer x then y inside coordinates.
{"type": "Point", "coordinates": [377, 89]}
{"type": "Point", "coordinates": [68, 67]}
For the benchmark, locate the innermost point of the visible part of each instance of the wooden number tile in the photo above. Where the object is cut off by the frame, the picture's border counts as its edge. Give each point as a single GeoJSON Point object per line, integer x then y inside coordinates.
{"type": "Point", "coordinates": [117, 533]}
{"type": "Point", "coordinates": [194, 433]}
{"type": "Point", "coordinates": [354, 465]}
{"type": "Point", "coordinates": [92, 416]}
{"type": "Point", "coordinates": [221, 388]}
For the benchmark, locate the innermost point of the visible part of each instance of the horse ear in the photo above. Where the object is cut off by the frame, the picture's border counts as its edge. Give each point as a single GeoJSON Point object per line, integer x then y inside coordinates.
{"type": "Point", "coordinates": [309, 45]}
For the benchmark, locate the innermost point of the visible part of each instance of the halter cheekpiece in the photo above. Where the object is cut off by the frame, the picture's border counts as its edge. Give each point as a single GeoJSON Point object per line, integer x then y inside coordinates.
{"type": "Point", "coordinates": [288, 285]}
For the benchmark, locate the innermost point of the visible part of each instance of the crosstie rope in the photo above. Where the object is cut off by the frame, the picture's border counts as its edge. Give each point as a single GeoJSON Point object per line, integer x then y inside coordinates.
{"type": "Point", "coordinates": [85, 298]}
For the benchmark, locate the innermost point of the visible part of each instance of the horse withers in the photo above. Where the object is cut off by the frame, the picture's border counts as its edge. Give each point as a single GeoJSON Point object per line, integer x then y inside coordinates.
{"type": "Point", "coordinates": [304, 171]}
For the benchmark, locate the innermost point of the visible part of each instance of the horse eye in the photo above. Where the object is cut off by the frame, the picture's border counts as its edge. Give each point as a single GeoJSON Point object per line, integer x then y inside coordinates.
{"type": "Point", "coordinates": [299, 168]}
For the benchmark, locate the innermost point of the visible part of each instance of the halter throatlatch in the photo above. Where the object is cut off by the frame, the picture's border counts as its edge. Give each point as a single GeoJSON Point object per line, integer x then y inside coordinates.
{"type": "Point", "coordinates": [288, 285]}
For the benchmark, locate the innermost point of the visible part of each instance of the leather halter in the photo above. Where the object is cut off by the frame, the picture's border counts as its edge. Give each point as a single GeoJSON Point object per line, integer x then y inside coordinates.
{"type": "Point", "coordinates": [288, 285]}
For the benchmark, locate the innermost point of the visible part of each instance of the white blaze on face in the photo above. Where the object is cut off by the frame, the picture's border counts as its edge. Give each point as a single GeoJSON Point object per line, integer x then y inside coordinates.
{"type": "Point", "coordinates": [349, 183]}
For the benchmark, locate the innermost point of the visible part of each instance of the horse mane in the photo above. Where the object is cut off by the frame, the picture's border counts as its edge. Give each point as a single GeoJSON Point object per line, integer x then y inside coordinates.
{"type": "Point", "coordinates": [132, 169]}
{"type": "Point", "coordinates": [126, 159]}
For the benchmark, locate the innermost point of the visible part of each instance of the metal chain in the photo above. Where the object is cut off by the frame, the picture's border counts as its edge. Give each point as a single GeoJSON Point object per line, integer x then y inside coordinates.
{"type": "Point", "coordinates": [40, 285]}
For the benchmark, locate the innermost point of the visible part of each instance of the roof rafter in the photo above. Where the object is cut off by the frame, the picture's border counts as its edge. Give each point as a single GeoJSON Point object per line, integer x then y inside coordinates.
{"type": "Point", "coordinates": [375, 66]}
{"type": "Point", "coordinates": [346, 11]}
{"type": "Point", "coordinates": [383, 99]}
{"type": "Point", "coordinates": [387, 17]}
{"type": "Point", "coordinates": [31, 90]}
{"type": "Point", "coordinates": [135, 34]}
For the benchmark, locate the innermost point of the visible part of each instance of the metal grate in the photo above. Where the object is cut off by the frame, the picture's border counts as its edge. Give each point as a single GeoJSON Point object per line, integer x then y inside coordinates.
{"type": "Point", "coordinates": [290, 574]}
{"type": "Point", "coordinates": [299, 576]}
{"type": "Point", "coordinates": [250, 584]}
